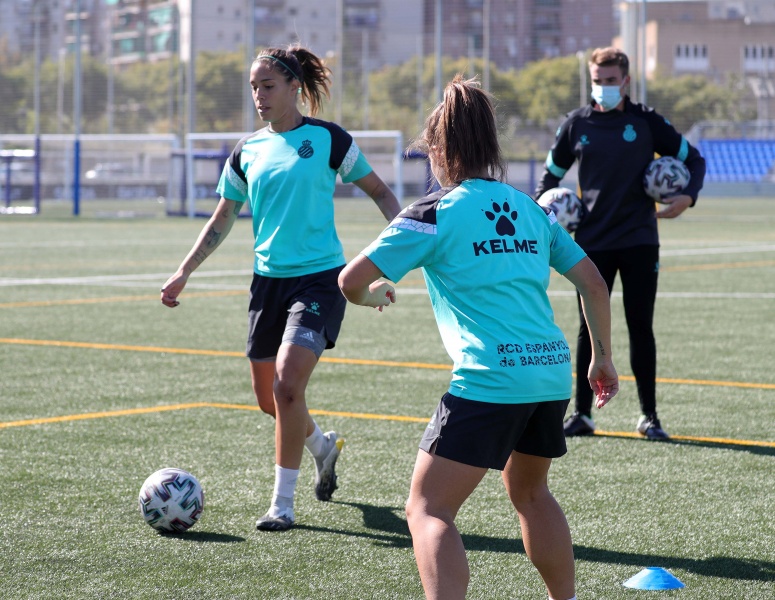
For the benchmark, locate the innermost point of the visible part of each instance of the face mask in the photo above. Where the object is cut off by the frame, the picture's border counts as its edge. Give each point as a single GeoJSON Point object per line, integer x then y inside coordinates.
{"type": "Point", "coordinates": [606, 96]}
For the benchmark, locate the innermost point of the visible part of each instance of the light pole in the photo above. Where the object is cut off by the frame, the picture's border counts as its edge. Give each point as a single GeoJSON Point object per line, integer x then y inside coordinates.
{"type": "Point", "coordinates": [486, 44]}
{"type": "Point", "coordinates": [582, 78]}
{"type": "Point", "coordinates": [642, 54]}
{"type": "Point", "coordinates": [36, 103]}
{"type": "Point", "coordinates": [338, 74]}
{"type": "Point", "coordinates": [249, 109]}
{"type": "Point", "coordinates": [437, 44]}
{"type": "Point", "coordinates": [77, 114]}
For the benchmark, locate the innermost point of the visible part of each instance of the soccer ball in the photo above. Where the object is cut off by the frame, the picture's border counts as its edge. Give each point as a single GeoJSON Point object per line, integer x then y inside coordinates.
{"type": "Point", "coordinates": [665, 177]}
{"type": "Point", "coordinates": [565, 205]}
{"type": "Point", "coordinates": [171, 500]}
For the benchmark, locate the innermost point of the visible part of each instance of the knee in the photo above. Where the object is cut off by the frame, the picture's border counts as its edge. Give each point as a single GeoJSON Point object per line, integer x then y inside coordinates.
{"type": "Point", "coordinates": [286, 391]}
{"type": "Point", "coordinates": [421, 514]}
{"type": "Point", "coordinates": [525, 498]}
{"type": "Point", "coordinates": [412, 512]}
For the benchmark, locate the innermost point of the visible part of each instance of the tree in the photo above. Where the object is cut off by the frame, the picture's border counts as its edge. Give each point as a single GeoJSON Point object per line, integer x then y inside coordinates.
{"type": "Point", "coordinates": [691, 98]}
{"type": "Point", "coordinates": [221, 85]}
{"type": "Point", "coordinates": [399, 101]}
{"type": "Point", "coordinates": [548, 90]}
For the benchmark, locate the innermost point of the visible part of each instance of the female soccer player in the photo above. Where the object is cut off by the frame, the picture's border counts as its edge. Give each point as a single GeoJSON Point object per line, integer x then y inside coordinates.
{"type": "Point", "coordinates": [486, 250]}
{"type": "Point", "coordinates": [287, 172]}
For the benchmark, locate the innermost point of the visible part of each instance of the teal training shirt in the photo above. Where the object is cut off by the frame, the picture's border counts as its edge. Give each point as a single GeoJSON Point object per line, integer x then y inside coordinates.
{"type": "Point", "coordinates": [289, 179]}
{"type": "Point", "coordinates": [486, 250]}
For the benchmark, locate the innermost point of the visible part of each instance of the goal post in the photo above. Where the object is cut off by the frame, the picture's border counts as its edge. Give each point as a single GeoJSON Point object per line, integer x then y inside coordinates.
{"type": "Point", "coordinates": [205, 154]}
{"type": "Point", "coordinates": [118, 174]}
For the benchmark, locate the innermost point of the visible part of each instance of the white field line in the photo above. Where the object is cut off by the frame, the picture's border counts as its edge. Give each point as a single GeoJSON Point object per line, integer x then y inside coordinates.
{"type": "Point", "coordinates": [717, 250]}
{"type": "Point", "coordinates": [132, 280]}
{"type": "Point", "coordinates": [123, 243]}
{"type": "Point", "coordinates": [119, 280]}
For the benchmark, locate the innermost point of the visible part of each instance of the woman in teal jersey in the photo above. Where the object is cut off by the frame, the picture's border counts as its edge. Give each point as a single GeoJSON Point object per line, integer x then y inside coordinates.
{"type": "Point", "coordinates": [486, 250]}
{"type": "Point", "coordinates": [287, 173]}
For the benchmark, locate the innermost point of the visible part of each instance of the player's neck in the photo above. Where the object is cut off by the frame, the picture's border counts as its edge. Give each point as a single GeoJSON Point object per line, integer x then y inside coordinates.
{"type": "Point", "coordinates": [287, 124]}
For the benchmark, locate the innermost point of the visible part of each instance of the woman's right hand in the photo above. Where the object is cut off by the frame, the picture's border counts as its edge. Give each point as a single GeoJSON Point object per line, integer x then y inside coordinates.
{"type": "Point", "coordinates": [604, 381]}
{"type": "Point", "coordinates": [172, 289]}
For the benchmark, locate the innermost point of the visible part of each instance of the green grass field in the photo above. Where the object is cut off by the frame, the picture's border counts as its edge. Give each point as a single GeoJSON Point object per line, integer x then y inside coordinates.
{"type": "Point", "coordinates": [100, 386]}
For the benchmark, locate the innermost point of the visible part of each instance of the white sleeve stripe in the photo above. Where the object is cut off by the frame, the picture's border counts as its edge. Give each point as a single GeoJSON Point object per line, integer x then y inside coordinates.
{"type": "Point", "coordinates": [236, 181]}
{"type": "Point", "coordinates": [413, 225]}
{"type": "Point", "coordinates": [349, 160]}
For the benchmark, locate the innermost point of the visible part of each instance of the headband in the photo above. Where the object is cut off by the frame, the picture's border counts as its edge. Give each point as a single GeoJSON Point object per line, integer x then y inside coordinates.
{"type": "Point", "coordinates": [287, 68]}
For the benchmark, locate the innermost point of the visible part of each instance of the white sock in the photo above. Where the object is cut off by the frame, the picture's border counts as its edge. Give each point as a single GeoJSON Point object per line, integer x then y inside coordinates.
{"type": "Point", "coordinates": [316, 442]}
{"type": "Point", "coordinates": [574, 598]}
{"type": "Point", "coordinates": [284, 490]}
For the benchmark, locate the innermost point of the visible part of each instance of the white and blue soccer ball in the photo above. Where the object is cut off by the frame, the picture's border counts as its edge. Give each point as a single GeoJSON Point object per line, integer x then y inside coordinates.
{"type": "Point", "coordinates": [665, 177]}
{"type": "Point", "coordinates": [566, 206]}
{"type": "Point", "coordinates": [171, 500]}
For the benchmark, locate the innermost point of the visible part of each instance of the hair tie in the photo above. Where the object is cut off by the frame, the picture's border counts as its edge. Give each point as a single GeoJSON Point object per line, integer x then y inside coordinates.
{"type": "Point", "coordinates": [287, 68]}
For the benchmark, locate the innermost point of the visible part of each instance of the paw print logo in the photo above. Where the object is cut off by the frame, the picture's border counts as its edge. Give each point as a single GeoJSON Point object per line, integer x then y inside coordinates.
{"type": "Point", "coordinates": [314, 307]}
{"type": "Point", "coordinates": [504, 217]}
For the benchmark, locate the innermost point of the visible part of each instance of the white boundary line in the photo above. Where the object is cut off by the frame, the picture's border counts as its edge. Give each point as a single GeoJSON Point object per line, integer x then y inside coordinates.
{"type": "Point", "coordinates": [134, 280]}
{"type": "Point", "coordinates": [717, 250]}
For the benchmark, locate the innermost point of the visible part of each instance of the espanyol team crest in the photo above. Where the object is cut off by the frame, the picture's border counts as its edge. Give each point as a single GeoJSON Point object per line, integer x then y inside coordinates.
{"type": "Point", "coordinates": [306, 150]}
{"type": "Point", "coordinates": [629, 134]}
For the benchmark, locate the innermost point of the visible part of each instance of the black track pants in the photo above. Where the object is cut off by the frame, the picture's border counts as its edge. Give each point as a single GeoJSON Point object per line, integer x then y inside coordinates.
{"type": "Point", "coordinates": [638, 269]}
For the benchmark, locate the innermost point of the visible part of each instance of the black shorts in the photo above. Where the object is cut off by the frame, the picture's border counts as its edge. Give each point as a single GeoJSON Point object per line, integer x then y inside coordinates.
{"type": "Point", "coordinates": [305, 311]}
{"type": "Point", "coordinates": [484, 434]}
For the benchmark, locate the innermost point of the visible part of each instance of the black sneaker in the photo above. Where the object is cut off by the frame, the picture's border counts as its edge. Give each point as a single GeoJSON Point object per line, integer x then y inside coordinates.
{"type": "Point", "coordinates": [650, 426]}
{"type": "Point", "coordinates": [278, 523]}
{"type": "Point", "coordinates": [578, 424]}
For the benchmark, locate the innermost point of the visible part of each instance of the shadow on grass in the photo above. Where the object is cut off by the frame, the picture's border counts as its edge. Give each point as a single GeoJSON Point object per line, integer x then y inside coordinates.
{"type": "Point", "coordinates": [204, 537]}
{"type": "Point", "coordinates": [388, 529]}
{"type": "Point", "coordinates": [677, 441]}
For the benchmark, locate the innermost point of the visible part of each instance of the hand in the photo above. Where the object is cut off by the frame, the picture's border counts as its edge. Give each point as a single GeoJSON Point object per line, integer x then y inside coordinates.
{"type": "Point", "coordinates": [172, 289]}
{"type": "Point", "coordinates": [674, 206]}
{"type": "Point", "coordinates": [604, 382]}
{"type": "Point", "coordinates": [381, 294]}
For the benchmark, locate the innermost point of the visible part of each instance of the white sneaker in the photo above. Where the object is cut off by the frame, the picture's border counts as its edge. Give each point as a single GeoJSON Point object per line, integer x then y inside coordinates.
{"type": "Point", "coordinates": [325, 476]}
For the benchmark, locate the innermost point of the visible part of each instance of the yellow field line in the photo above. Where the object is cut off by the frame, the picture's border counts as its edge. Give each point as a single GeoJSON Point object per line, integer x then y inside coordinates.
{"type": "Point", "coordinates": [688, 438]}
{"type": "Point", "coordinates": [348, 415]}
{"type": "Point", "coordinates": [226, 353]}
{"type": "Point", "coordinates": [348, 361]}
{"type": "Point", "coordinates": [111, 299]}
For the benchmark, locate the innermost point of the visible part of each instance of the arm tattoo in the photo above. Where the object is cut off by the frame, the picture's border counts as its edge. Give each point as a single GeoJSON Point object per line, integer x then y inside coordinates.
{"type": "Point", "coordinates": [211, 240]}
{"type": "Point", "coordinates": [601, 347]}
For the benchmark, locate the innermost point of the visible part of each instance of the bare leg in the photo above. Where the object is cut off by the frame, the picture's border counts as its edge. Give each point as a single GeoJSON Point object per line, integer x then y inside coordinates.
{"type": "Point", "coordinates": [545, 531]}
{"type": "Point", "coordinates": [293, 369]}
{"type": "Point", "coordinates": [263, 378]}
{"type": "Point", "coordinates": [439, 488]}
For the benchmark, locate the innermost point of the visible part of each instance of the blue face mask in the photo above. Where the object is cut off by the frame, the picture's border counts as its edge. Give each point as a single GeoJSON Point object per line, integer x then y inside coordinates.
{"type": "Point", "coordinates": [607, 96]}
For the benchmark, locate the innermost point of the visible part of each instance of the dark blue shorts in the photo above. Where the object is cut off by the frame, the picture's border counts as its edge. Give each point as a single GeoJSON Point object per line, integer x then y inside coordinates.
{"type": "Point", "coordinates": [306, 311]}
{"type": "Point", "coordinates": [484, 434]}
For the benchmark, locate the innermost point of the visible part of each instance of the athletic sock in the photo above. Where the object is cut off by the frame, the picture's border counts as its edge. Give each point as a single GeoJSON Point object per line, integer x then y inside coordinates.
{"type": "Point", "coordinates": [316, 442]}
{"type": "Point", "coordinates": [284, 489]}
